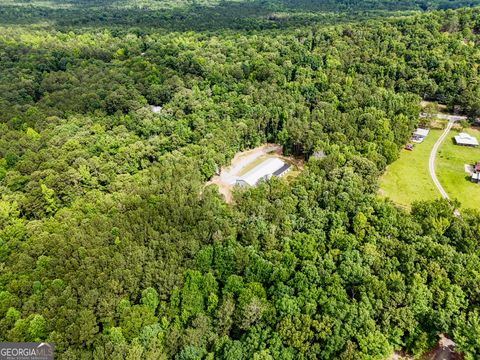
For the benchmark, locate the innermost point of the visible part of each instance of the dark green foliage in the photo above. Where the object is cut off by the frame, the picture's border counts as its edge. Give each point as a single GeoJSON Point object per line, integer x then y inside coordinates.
{"type": "Point", "coordinates": [206, 15]}
{"type": "Point", "coordinates": [112, 246]}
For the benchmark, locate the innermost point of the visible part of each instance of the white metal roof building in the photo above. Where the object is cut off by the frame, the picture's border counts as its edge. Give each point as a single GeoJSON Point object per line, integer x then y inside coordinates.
{"type": "Point", "coordinates": [263, 171]}
{"type": "Point", "coordinates": [465, 139]}
{"type": "Point", "coordinates": [419, 135]}
{"type": "Point", "coordinates": [421, 132]}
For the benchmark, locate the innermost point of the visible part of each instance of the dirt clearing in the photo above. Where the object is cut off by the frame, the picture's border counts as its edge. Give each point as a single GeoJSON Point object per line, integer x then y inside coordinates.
{"type": "Point", "coordinates": [245, 161]}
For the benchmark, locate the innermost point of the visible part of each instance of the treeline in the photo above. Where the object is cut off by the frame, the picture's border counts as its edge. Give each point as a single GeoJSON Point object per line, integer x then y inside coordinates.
{"type": "Point", "coordinates": [209, 15]}
{"type": "Point", "coordinates": [112, 247]}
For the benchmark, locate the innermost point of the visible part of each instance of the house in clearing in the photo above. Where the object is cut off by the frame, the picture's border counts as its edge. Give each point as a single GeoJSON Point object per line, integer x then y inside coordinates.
{"type": "Point", "coordinates": [419, 135]}
{"type": "Point", "coordinates": [464, 139]}
{"type": "Point", "coordinates": [264, 171]}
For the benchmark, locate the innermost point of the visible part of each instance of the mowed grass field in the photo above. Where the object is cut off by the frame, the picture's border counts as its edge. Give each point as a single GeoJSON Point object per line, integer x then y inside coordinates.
{"type": "Point", "coordinates": [407, 179]}
{"type": "Point", "coordinates": [450, 169]}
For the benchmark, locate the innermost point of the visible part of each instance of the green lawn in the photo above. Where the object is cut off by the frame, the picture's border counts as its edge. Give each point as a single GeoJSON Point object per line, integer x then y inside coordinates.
{"type": "Point", "coordinates": [450, 170]}
{"type": "Point", "coordinates": [407, 179]}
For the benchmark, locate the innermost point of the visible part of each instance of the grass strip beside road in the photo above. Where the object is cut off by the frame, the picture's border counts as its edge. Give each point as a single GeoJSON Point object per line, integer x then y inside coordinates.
{"type": "Point", "coordinates": [450, 169]}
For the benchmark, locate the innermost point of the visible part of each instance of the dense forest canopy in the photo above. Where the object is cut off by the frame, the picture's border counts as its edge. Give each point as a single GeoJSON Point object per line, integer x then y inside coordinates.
{"type": "Point", "coordinates": [111, 245]}
{"type": "Point", "coordinates": [208, 15]}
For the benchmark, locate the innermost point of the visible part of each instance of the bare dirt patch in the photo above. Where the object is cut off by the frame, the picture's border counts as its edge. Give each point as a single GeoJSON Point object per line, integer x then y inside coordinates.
{"type": "Point", "coordinates": [397, 355]}
{"type": "Point", "coordinates": [445, 350]}
{"type": "Point", "coordinates": [224, 189]}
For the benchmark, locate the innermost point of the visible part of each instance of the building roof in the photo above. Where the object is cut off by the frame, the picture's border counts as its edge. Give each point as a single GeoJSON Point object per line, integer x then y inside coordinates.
{"type": "Point", "coordinates": [282, 170]}
{"type": "Point", "coordinates": [466, 139]}
{"type": "Point", "coordinates": [156, 109]}
{"type": "Point", "coordinates": [477, 166]}
{"type": "Point", "coordinates": [476, 176]}
{"type": "Point", "coordinates": [421, 132]}
{"type": "Point", "coordinates": [262, 170]}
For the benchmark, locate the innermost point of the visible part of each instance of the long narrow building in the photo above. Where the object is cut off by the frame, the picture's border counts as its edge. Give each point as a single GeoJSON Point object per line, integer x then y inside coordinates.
{"type": "Point", "coordinates": [264, 171]}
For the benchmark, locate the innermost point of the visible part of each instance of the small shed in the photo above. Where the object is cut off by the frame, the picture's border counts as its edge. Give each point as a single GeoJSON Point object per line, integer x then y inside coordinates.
{"type": "Point", "coordinates": [464, 139]}
{"type": "Point", "coordinates": [420, 134]}
{"type": "Point", "coordinates": [476, 177]}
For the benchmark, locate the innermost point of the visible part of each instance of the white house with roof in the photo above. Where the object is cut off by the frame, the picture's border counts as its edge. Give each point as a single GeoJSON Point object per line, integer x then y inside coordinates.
{"type": "Point", "coordinates": [465, 139]}
{"type": "Point", "coordinates": [263, 171]}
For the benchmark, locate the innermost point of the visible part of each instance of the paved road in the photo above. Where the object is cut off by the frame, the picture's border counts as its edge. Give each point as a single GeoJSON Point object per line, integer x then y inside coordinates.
{"type": "Point", "coordinates": [431, 160]}
{"type": "Point", "coordinates": [451, 117]}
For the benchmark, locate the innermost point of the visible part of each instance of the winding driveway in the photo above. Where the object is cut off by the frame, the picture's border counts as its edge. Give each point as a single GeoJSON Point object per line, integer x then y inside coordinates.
{"type": "Point", "coordinates": [431, 161]}
{"type": "Point", "coordinates": [433, 154]}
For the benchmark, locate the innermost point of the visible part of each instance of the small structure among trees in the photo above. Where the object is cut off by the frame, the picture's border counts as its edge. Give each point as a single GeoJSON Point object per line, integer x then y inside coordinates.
{"type": "Point", "coordinates": [156, 109]}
